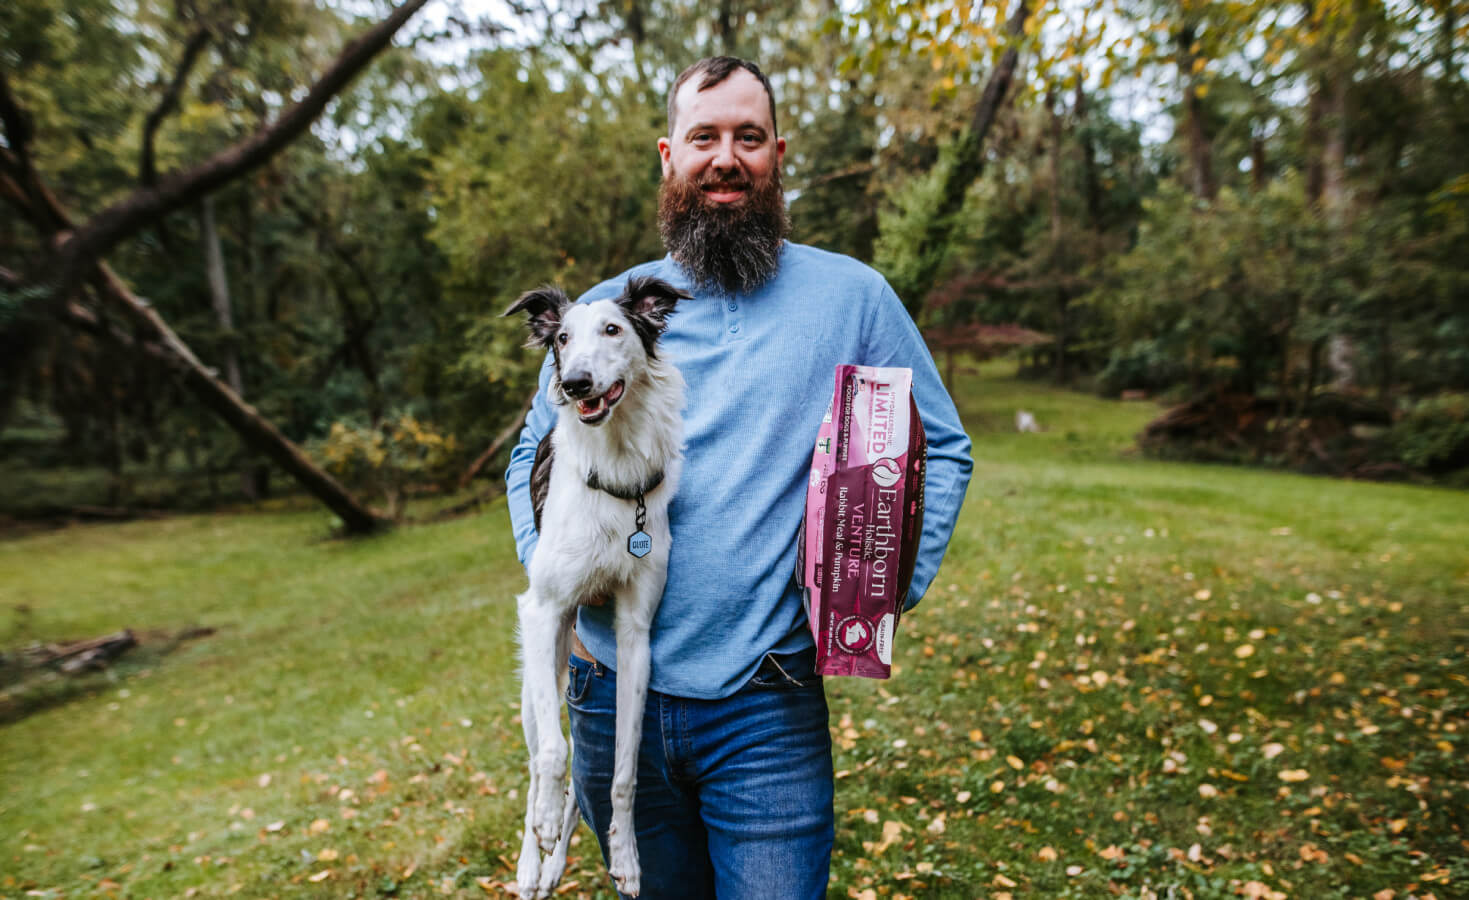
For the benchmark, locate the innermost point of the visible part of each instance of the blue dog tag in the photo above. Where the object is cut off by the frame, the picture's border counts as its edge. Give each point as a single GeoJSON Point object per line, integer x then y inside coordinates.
{"type": "Point", "coordinates": [640, 544]}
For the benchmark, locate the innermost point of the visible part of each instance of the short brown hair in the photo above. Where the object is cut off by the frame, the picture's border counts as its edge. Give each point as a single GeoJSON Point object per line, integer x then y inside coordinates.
{"type": "Point", "coordinates": [715, 69]}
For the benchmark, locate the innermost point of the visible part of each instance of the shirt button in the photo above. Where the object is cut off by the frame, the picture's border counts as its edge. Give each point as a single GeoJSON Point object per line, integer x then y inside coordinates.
{"type": "Point", "coordinates": [733, 307]}
{"type": "Point", "coordinates": [734, 329]}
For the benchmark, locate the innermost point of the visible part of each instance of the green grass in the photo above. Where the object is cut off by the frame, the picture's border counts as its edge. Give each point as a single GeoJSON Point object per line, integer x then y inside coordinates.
{"type": "Point", "coordinates": [1130, 677]}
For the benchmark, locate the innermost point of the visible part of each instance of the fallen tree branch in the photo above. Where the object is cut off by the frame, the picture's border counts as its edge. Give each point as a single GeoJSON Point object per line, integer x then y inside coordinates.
{"type": "Point", "coordinates": [505, 434]}
{"type": "Point", "coordinates": [148, 204]}
{"type": "Point", "coordinates": [147, 174]}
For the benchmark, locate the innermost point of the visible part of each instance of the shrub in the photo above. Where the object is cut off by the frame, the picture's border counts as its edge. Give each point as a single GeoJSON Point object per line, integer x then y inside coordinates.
{"type": "Point", "coordinates": [1433, 436]}
{"type": "Point", "coordinates": [386, 460]}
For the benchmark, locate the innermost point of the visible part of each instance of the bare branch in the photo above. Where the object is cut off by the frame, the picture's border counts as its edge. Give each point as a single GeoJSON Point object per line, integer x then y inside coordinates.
{"type": "Point", "coordinates": [168, 103]}
{"type": "Point", "coordinates": [148, 204]}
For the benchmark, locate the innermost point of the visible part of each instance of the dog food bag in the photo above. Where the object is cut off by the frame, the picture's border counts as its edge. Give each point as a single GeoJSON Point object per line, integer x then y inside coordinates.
{"type": "Point", "coordinates": [864, 514]}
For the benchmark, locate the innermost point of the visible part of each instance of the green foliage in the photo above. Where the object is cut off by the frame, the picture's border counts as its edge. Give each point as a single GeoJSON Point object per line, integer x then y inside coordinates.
{"type": "Point", "coordinates": [1433, 434]}
{"type": "Point", "coordinates": [1232, 293]}
{"type": "Point", "coordinates": [387, 460]}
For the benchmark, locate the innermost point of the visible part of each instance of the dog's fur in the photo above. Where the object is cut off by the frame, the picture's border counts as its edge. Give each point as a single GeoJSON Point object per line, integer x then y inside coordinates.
{"type": "Point", "coordinates": [619, 425]}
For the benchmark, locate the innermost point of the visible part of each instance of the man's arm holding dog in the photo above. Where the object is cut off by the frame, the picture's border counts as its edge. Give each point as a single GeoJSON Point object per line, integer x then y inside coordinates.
{"type": "Point", "coordinates": [540, 420]}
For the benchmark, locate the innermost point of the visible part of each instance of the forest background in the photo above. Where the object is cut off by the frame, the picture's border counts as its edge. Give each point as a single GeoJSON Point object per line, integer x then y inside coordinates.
{"type": "Point", "coordinates": [234, 230]}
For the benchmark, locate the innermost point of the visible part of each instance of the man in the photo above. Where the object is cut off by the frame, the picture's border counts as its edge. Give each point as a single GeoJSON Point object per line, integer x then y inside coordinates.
{"type": "Point", "coordinates": [734, 786]}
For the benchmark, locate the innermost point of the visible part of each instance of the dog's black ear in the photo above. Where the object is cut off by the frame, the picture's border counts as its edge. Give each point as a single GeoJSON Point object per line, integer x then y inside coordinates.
{"type": "Point", "coordinates": [648, 302]}
{"type": "Point", "coordinates": [650, 298]}
{"type": "Point", "coordinates": [545, 306]}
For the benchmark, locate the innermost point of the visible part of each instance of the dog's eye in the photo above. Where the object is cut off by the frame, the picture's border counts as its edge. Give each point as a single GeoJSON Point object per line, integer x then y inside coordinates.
{"type": "Point", "coordinates": [562, 338]}
{"type": "Point", "coordinates": [611, 330]}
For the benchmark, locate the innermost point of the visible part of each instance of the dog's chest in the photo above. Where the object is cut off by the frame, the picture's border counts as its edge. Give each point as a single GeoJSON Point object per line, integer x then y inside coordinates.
{"type": "Point", "coordinates": [587, 530]}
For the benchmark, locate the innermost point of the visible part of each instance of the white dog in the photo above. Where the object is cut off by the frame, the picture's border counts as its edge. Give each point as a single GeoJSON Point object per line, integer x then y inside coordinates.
{"type": "Point", "coordinates": [602, 514]}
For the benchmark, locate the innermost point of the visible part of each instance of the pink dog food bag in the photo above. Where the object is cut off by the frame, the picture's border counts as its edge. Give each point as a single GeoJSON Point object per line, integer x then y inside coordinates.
{"type": "Point", "coordinates": [864, 515]}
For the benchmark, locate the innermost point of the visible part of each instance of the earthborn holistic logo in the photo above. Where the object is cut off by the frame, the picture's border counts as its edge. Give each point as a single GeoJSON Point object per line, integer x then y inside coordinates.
{"type": "Point", "coordinates": [886, 472]}
{"type": "Point", "coordinates": [855, 634]}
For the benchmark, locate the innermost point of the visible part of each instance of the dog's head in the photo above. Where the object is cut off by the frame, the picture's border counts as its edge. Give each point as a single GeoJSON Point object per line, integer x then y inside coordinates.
{"type": "Point", "coordinates": [602, 348]}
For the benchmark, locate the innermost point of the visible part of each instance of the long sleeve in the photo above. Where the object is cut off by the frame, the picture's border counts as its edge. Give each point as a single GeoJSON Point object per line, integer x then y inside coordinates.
{"type": "Point", "coordinates": [540, 420]}
{"type": "Point", "coordinates": [894, 340]}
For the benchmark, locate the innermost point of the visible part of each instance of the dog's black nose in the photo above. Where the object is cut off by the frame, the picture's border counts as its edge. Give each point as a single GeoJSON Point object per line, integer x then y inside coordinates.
{"type": "Point", "coordinates": [577, 384]}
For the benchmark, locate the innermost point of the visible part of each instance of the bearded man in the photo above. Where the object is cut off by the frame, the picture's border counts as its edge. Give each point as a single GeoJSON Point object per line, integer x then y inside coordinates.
{"type": "Point", "coordinates": [734, 782]}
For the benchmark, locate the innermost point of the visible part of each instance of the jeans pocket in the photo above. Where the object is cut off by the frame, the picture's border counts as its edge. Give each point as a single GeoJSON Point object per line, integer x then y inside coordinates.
{"type": "Point", "coordinates": [580, 676]}
{"type": "Point", "coordinates": [581, 686]}
{"type": "Point", "coordinates": [788, 671]}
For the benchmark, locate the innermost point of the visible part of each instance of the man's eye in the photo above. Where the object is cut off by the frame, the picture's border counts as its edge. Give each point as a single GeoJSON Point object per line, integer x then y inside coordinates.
{"type": "Point", "coordinates": [750, 138]}
{"type": "Point", "coordinates": [611, 330]}
{"type": "Point", "coordinates": [562, 338]}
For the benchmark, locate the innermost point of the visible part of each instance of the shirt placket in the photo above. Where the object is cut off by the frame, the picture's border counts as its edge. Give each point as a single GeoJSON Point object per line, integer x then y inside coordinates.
{"type": "Point", "coordinates": [733, 310]}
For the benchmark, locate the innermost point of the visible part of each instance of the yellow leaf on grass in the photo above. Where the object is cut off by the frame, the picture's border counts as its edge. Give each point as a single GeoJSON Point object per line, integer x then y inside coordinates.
{"type": "Point", "coordinates": [1046, 854]}
{"type": "Point", "coordinates": [891, 831]}
{"type": "Point", "coordinates": [1014, 762]}
{"type": "Point", "coordinates": [1294, 775]}
{"type": "Point", "coordinates": [320, 825]}
{"type": "Point", "coordinates": [323, 875]}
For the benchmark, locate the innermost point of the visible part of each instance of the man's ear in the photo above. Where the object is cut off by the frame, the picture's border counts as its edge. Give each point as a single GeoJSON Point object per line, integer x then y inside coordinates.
{"type": "Point", "coordinates": [665, 155]}
{"type": "Point", "coordinates": [650, 298]}
{"type": "Point", "coordinates": [544, 307]}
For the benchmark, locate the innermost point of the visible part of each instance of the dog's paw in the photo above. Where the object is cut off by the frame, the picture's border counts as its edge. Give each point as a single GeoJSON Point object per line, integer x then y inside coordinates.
{"type": "Point", "coordinates": [528, 872]}
{"type": "Point", "coordinates": [551, 874]}
{"type": "Point", "coordinates": [622, 861]}
{"type": "Point", "coordinates": [549, 804]}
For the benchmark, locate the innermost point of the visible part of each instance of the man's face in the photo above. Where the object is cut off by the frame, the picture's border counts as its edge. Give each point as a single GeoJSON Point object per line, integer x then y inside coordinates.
{"type": "Point", "coordinates": [721, 210]}
{"type": "Point", "coordinates": [723, 138]}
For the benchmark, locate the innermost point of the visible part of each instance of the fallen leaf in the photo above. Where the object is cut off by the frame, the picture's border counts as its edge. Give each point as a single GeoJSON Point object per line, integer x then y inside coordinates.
{"type": "Point", "coordinates": [1046, 854]}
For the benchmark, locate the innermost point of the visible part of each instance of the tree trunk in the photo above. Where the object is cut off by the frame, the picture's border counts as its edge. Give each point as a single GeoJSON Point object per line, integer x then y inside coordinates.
{"type": "Point", "coordinates": [1200, 147]}
{"type": "Point", "coordinates": [254, 429]}
{"type": "Point", "coordinates": [219, 294]}
{"type": "Point", "coordinates": [1057, 255]}
{"type": "Point", "coordinates": [966, 167]}
{"type": "Point", "coordinates": [1088, 162]}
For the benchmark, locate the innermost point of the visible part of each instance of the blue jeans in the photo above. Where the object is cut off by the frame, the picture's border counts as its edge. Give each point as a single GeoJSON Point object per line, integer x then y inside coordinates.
{"type": "Point", "coordinates": [734, 796]}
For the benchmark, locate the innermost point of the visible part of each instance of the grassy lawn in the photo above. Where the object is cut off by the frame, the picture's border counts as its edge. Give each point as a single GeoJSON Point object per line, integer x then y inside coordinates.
{"type": "Point", "coordinates": [1131, 678]}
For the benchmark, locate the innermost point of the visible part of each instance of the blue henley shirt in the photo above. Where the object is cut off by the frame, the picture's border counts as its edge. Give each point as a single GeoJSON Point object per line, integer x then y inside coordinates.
{"type": "Point", "coordinates": [760, 373]}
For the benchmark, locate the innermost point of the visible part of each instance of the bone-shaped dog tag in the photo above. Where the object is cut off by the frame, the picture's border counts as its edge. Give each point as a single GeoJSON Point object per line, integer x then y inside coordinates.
{"type": "Point", "coordinates": [639, 544]}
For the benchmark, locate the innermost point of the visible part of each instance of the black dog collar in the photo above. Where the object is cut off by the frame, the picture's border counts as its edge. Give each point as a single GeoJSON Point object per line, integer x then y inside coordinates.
{"type": "Point", "coordinates": [639, 543]}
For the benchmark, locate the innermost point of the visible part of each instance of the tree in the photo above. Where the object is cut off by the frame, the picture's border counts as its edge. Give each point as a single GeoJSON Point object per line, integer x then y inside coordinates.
{"type": "Point", "coordinates": [75, 250]}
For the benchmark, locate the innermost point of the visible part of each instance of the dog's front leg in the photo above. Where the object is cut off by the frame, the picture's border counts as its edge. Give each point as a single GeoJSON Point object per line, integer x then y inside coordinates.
{"type": "Point", "coordinates": [543, 646]}
{"type": "Point", "coordinates": [634, 620]}
{"type": "Point", "coordinates": [528, 868]}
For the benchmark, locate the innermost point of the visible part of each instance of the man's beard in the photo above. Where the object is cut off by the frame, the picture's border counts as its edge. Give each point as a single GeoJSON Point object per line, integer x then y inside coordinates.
{"type": "Point", "coordinates": [735, 247]}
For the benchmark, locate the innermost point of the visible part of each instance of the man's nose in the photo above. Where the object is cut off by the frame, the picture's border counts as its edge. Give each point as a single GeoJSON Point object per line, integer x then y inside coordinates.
{"type": "Point", "coordinates": [724, 156]}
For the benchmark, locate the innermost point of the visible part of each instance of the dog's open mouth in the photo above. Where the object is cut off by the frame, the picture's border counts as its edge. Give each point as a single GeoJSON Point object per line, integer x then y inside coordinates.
{"type": "Point", "coordinates": [594, 409]}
